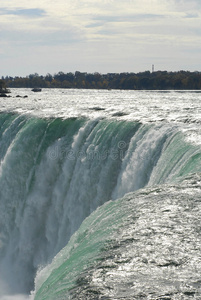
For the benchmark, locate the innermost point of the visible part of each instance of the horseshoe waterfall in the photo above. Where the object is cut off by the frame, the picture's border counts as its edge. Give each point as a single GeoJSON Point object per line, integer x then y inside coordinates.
{"type": "Point", "coordinates": [100, 195]}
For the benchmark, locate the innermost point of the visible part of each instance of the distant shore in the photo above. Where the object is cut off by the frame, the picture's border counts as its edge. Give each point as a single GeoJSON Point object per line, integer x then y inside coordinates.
{"type": "Point", "coordinates": [159, 80]}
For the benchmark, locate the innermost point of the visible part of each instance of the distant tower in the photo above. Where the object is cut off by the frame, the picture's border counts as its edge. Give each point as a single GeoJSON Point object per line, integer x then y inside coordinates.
{"type": "Point", "coordinates": [152, 68]}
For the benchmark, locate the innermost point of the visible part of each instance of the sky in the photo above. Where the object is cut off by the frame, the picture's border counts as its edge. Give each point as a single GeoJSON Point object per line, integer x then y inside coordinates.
{"type": "Point", "coordinates": [106, 36]}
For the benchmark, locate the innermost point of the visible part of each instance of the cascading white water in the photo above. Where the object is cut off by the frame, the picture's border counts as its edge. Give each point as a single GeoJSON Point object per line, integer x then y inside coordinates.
{"type": "Point", "coordinates": [50, 181]}
{"type": "Point", "coordinates": [142, 156]}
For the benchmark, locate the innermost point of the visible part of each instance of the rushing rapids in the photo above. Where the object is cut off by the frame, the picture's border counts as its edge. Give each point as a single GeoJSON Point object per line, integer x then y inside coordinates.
{"type": "Point", "coordinates": [57, 171]}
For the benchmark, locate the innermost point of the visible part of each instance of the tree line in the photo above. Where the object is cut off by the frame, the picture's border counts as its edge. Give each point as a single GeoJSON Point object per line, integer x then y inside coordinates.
{"type": "Point", "coordinates": [159, 80]}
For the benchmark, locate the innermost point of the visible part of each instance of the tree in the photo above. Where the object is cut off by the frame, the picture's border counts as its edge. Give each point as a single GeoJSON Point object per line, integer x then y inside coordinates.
{"type": "Point", "coordinates": [3, 89]}
{"type": "Point", "coordinates": [2, 85]}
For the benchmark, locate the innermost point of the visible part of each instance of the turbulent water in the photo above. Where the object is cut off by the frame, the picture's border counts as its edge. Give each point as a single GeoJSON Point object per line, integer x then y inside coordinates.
{"type": "Point", "coordinates": [100, 195]}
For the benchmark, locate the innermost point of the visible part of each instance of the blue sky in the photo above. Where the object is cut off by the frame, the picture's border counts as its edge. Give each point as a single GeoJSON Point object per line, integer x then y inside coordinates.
{"type": "Point", "coordinates": [104, 36]}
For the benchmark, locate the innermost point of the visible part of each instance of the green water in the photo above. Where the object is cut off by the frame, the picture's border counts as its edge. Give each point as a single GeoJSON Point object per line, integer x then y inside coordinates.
{"type": "Point", "coordinates": [55, 173]}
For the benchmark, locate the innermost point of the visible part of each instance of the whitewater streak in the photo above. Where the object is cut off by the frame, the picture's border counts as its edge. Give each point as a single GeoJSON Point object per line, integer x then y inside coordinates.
{"type": "Point", "coordinates": [54, 172]}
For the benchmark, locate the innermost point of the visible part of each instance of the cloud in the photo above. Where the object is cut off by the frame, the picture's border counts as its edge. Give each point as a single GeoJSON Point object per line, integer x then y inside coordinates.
{"type": "Point", "coordinates": [191, 15]}
{"type": "Point", "coordinates": [94, 35]}
{"type": "Point", "coordinates": [27, 39]}
{"type": "Point", "coordinates": [185, 5]}
{"type": "Point", "coordinates": [128, 18]}
{"type": "Point", "coordinates": [30, 13]}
